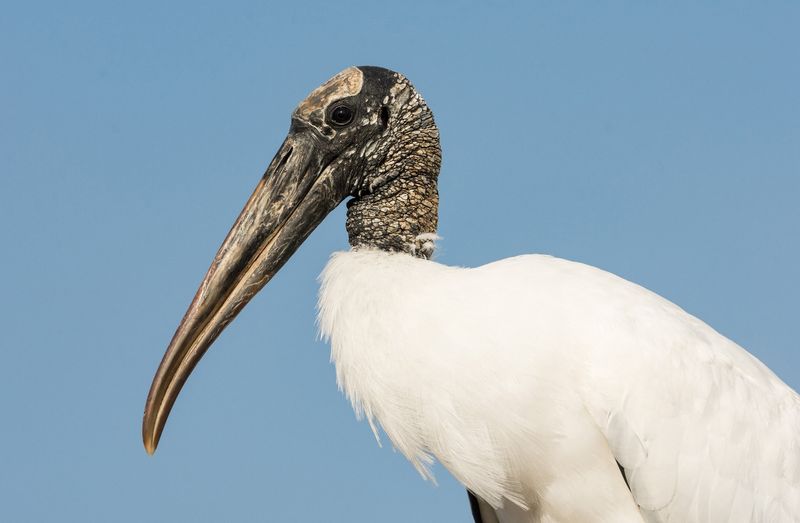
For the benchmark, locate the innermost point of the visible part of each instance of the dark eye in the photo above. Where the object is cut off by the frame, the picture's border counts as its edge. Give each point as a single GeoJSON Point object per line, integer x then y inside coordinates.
{"type": "Point", "coordinates": [341, 115]}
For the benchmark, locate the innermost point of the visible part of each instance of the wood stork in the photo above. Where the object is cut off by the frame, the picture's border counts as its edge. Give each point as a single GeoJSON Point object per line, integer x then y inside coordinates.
{"type": "Point", "coordinates": [554, 391]}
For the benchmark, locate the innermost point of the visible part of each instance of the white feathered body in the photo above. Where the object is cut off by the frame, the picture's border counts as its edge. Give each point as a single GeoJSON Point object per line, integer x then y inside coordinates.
{"type": "Point", "coordinates": [530, 378]}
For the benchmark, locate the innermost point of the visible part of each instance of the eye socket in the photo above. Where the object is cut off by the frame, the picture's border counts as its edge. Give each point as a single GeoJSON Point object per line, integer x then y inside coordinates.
{"type": "Point", "coordinates": [341, 115]}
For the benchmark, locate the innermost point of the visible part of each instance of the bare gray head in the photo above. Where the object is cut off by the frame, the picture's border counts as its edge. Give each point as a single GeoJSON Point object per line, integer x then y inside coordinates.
{"type": "Point", "coordinates": [365, 133]}
{"type": "Point", "coordinates": [387, 146]}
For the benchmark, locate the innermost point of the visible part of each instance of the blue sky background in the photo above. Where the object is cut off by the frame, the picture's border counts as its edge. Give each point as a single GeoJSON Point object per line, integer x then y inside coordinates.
{"type": "Point", "coordinates": [660, 143]}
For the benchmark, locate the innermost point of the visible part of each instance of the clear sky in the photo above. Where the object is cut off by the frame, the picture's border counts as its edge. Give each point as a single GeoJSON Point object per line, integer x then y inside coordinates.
{"type": "Point", "coordinates": [659, 143]}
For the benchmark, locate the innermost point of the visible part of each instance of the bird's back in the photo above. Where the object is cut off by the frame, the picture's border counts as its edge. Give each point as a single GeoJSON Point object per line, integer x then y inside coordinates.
{"type": "Point", "coordinates": [703, 430]}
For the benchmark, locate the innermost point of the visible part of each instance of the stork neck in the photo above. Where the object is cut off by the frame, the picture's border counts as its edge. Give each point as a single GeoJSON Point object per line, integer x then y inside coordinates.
{"type": "Point", "coordinates": [399, 216]}
{"type": "Point", "coordinates": [397, 203]}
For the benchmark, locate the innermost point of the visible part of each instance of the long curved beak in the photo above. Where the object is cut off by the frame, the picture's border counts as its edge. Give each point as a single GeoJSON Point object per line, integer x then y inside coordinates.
{"type": "Point", "coordinates": [297, 191]}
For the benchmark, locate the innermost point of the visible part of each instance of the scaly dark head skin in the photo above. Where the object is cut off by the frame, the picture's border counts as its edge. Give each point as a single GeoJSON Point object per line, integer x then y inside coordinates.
{"type": "Point", "coordinates": [364, 133]}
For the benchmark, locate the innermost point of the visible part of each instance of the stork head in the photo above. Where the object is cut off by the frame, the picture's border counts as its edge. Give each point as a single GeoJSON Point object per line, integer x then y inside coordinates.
{"type": "Point", "coordinates": [366, 134]}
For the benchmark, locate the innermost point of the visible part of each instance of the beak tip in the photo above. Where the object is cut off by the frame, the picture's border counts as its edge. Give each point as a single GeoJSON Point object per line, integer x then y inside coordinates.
{"type": "Point", "coordinates": [150, 440]}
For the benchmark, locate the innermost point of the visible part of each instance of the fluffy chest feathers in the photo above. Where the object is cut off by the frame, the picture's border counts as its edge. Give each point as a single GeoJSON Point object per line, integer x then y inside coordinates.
{"type": "Point", "coordinates": [530, 378]}
{"type": "Point", "coordinates": [413, 356]}
{"type": "Point", "coordinates": [442, 358]}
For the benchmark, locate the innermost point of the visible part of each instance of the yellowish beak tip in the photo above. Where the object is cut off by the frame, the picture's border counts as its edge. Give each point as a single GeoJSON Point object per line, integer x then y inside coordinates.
{"type": "Point", "coordinates": [150, 446]}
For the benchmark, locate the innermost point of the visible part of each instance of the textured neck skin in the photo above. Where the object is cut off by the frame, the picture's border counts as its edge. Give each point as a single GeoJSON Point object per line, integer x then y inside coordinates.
{"type": "Point", "coordinates": [396, 207]}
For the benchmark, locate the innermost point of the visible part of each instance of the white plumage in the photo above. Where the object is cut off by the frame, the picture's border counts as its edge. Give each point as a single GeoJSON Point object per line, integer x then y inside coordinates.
{"type": "Point", "coordinates": [530, 378]}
